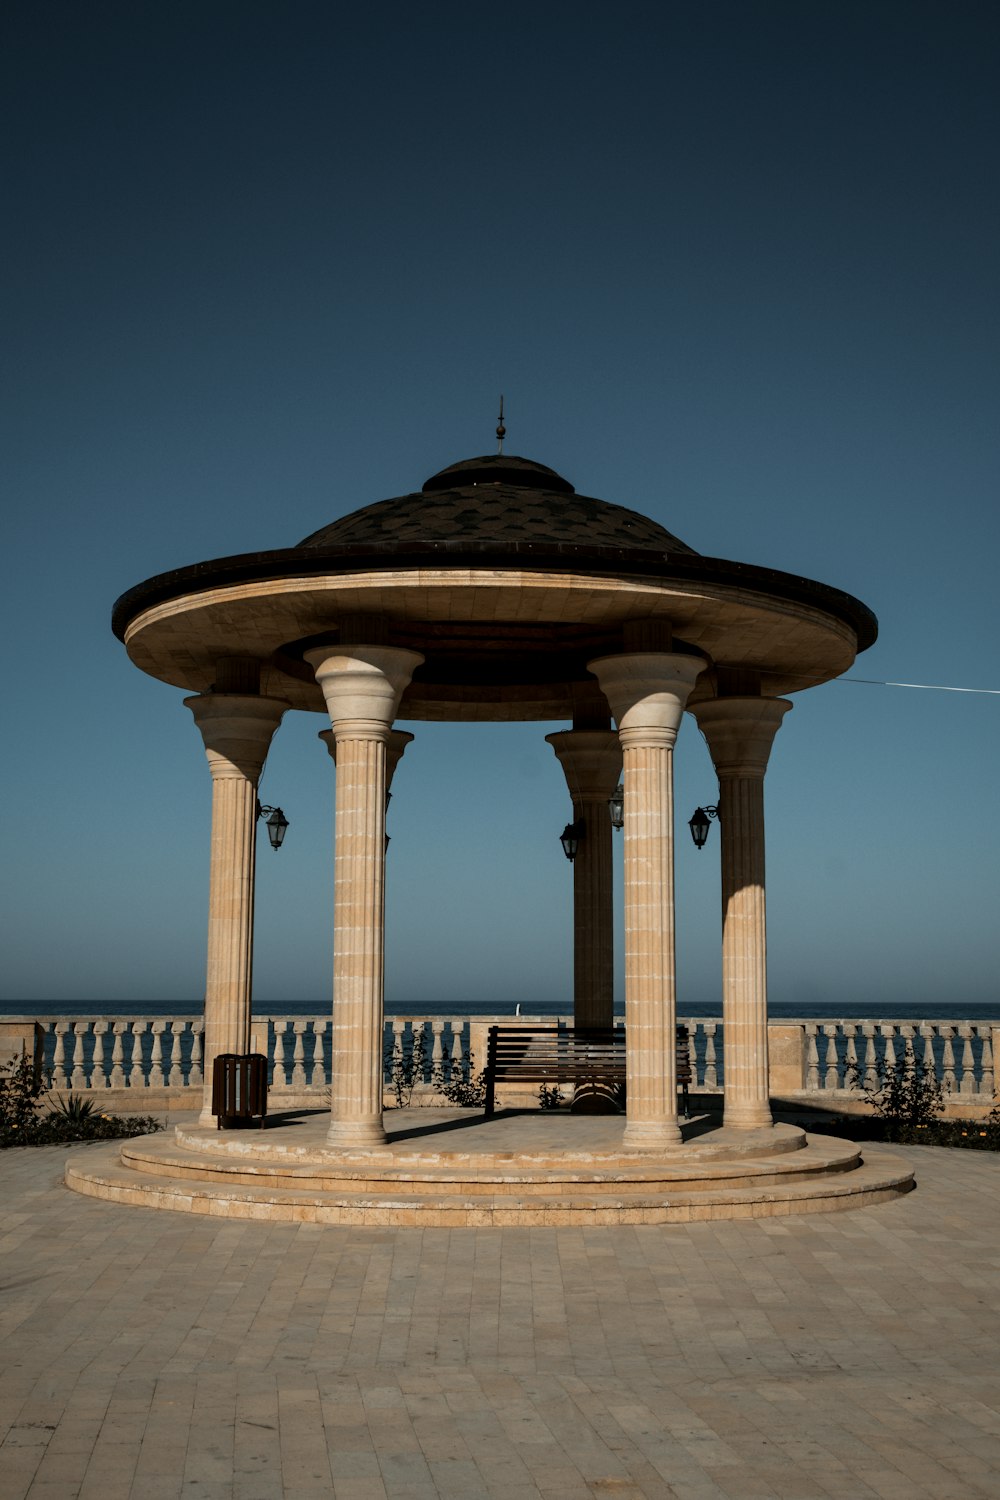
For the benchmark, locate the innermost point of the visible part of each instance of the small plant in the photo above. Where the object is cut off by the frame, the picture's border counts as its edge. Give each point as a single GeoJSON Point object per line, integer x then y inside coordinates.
{"type": "Point", "coordinates": [73, 1108]}
{"type": "Point", "coordinates": [549, 1096]}
{"type": "Point", "coordinates": [406, 1068]}
{"type": "Point", "coordinates": [467, 1091]}
{"type": "Point", "coordinates": [907, 1097]}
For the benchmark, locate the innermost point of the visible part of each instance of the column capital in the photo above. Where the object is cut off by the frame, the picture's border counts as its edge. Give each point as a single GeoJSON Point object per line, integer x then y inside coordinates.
{"type": "Point", "coordinates": [237, 730]}
{"type": "Point", "coordinates": [591, 760]}
{"type": "Point", "coordinates": [647, 690]}
{"type": "Point", "coordinates": [740, 732]}
{"type": "Point", "coordinates": [363, 684]}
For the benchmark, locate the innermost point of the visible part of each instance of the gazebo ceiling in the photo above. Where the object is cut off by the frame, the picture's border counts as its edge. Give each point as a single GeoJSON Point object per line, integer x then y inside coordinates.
{"type": "Point", "coordinates": [507, 581]}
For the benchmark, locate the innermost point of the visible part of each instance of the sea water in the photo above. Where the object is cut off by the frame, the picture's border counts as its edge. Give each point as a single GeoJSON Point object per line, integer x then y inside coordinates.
{"type": "Point", "coordinates": [850, 1009]}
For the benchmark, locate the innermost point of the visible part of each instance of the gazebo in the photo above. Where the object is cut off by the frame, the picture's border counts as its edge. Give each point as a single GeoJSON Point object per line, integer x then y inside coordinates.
{"type": "Point", "coordinates": [496, 592]}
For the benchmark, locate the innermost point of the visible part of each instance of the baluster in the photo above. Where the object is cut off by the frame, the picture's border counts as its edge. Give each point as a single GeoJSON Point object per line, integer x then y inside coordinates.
{"type": "Point", "coordinates": [299, 1055]}
{"type": "Point", "coordinates": [437, 1049]}
{"type": "Point", "coordinates": [195, 1076]}
{"type": "Point", "coordinates": [326, 1076]}
{"type": "Point", "coordinates": [870, 1072]}
{"type": "Point", "coordinates": [78, 1078]}
{"type": "Point", "coordinates": [309, 1045]}
{"type": "Point", "coordinates": [812, 1057]}
{"type": "Point", "coordinates": [968, 1083]}
{"type": "Point", "coordinates": [398, 1028]}
{"type": "Point", "coordinates": [155, 1079]}
{"type": "Point", "coordinates": [986, 1084]}
{"type": "Point", "coordinates": [98, 1075]}
{"type": "Point", "coordinates": [276, 1059]}
{"type": "Point", "coordinates": [928, 1059]}
{"type": "Point", "coordinates": [319, 1077]}
{"type": "Point", "coordinates": [422, 1029]}
{"type": "Point", "coordinates": [279, 1073]}
{"type": "Point", "coordinates": [118, 1055]}
{"type": "Point", "coordinates": [948, 1059]}
{"type": "Point", "coordinates": [711, 1080]}
{"type": "Point", "coordinates": [906, 1036]}
{"type": "Point", "coordinates": [60, 1077]}
{"type": "Point", "coordinates": [696, 1050]}
{"type": "Point", "coordinates": [48, 1051]}
{"type": "Point", "coordinates": [172, 1061]}
{"type": "Point", "coordinates": [457, 1067]}
{"type": "Point", "coordinates": [850, 1055]}
{"type": "Point", "coordinates": [137, 1071]}
{"type": "Point", "coordinates": [288, 1052]}
{"type": "Point", "coordinates": [889, 1032]}
{"type": "Point", "coordinates": [827, 1058]}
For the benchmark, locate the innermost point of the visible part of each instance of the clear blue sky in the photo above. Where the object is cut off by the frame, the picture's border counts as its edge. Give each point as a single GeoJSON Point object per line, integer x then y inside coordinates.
{"type": "Point", "coordinates": [732, 264]}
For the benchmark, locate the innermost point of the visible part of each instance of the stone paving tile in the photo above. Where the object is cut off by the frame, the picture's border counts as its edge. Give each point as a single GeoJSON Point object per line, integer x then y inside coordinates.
{"type": "Point", "coordinates": [848, 1356]}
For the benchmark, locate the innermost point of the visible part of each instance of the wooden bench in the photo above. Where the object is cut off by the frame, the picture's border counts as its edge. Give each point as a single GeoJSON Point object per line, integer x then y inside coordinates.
{"type": "Point", "coordinates": [566, 1054]}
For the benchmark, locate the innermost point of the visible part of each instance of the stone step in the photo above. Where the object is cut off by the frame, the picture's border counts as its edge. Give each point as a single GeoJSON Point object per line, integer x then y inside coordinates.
{"type": "Point", "coordinates": [159, 1156]}
{"type": "Point", "coordinates": [99, 1172]}
{"type": "Point", "coordinates": [568, 1144]}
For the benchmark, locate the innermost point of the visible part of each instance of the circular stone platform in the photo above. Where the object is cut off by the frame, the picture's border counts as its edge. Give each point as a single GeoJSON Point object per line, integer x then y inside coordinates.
{"type": "Point", "coordinates": [448, 1168]}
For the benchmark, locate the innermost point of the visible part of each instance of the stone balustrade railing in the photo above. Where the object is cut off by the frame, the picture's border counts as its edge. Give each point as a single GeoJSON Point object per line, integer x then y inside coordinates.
{"type": "Point", "coordinates": [825, 1058]}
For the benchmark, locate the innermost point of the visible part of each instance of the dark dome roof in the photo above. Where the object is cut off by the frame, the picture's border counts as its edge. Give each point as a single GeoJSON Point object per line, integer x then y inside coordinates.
{"type": "Point", "coordinates": [498, 498]}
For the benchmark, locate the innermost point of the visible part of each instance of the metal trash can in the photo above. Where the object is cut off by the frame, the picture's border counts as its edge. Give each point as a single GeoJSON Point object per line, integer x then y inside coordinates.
{"type": "Point", "coordinates": [239, 1088]}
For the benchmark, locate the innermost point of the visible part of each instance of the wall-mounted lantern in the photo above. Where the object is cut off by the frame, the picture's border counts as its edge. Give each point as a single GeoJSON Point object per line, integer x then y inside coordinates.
{"type": "Point", "coordinates": [570, 839]}
{"type": "Point", "coordinates": [700, 824]}
{"type": "Point", "coordinates": [275, 823]}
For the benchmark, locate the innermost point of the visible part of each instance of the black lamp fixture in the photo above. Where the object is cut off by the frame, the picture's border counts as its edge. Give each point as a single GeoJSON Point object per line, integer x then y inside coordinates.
{"type": "Point", "coordinates": [700, 824]}
{"type": "Point", "coordinates": [570, 839]}
{"type": "Point", "coordinates": [275, 823]}
{"type": "Point", "coordinates": [616, 806]}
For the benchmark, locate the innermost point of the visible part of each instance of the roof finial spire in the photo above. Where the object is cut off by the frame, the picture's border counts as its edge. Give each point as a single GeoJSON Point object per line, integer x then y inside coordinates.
{"type": "Point", "coordinates": [501, 429]}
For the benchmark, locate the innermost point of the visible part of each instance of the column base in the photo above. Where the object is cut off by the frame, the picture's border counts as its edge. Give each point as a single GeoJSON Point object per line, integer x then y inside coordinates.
{"type": "Point", "coordinates": [206, 1120]}
{"type": "Point", "coordinates": [747, 1117]}
{"type": "Point", "coordinates": [650, 1135]}
{"type": "Point", "coordinates": [354, 1133]}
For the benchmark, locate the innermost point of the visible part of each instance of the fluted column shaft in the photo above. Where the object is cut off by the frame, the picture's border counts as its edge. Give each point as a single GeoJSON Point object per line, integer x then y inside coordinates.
{"type": "Point", "coordinates": [647, 692]}
{"type": "Point", "coordinates": [362, 686]}
{"type": "Point", "coordinates": [237, 732]}
{"type": "Point", "coordinates": [740, 733]}
{"type": "Point", "coordinates": [396, 742]}
{"type": "Point", "coordinates": [591, 760]}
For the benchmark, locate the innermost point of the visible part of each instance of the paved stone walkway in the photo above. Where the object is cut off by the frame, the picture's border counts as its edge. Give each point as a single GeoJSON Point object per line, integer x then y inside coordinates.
{"type": "Point", "coordinates": [155, 1356]}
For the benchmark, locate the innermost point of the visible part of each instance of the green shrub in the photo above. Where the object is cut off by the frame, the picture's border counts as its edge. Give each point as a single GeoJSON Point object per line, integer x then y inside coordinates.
{"type": "Point", "coordinates": [907, 1096]}
{"type": "Point", "coordinates": [406, 1068]}
{"type": "Point", "coordinates": [466, 1092]}
{"type": "Point", "coordinates": [56, 1129]}
{"type": "Point", "coordinates": [22, 1122]}
{"type": "Point", "coordinates": [19, 1093]}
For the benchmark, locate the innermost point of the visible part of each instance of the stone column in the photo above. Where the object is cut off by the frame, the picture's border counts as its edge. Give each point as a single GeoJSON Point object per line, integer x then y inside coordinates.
{"type": "Point", "coordinates": [647, 691]}
{"type": "Point", "coordinates": [591, 760]}
{"type": "Point", "coordinates": [237, 730]}
{"type": "Point", "coordinates": [396, 743]}
{"type": "Point", "coordinates": [740, 733]}
{"type": "Point", "coordinates": [362, 686]}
